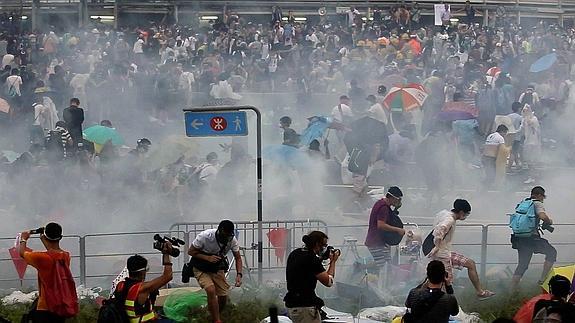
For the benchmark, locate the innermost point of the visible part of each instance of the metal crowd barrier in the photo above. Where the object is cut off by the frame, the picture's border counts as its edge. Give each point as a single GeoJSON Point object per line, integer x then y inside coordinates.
{"type": "Point", "coordinates": [100, 257]}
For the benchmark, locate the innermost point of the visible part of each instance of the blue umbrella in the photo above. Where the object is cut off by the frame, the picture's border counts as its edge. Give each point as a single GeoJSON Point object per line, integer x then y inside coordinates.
{"type": "Point", "coordinates": [287, 156]}
{"type": "Point", "coordinates": [315, 130]}
{"type": "Point", "coordinates": [543, 63]}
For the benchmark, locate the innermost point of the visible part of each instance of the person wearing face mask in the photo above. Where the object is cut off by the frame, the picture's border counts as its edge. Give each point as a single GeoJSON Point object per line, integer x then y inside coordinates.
{"type": "Point", "coordinates": [209, 261]}
{"type": "Point", "coordinates": [381, 227]}
{"type": "Point", "coordinates": [443, 233]}
{"type": "Point", "coordinates": [304, 269]}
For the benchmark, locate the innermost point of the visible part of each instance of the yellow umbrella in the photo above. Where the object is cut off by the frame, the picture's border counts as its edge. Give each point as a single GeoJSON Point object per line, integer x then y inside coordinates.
{"type": "Point", "coordinates": [567, 271]}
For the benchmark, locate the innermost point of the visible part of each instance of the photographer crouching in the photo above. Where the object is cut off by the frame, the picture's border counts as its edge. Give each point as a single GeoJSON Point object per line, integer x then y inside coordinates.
{"type": "Point", "coordinates": [304, 268]}
{"type": "Point", "coordinates": [139, 294]}
{"type": "Point", "coordinates": [209, 264]}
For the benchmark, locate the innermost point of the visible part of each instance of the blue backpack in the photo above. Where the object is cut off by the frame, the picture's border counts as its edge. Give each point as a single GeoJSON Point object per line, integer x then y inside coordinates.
{"type": "Point", "coordinates": [524, 221]}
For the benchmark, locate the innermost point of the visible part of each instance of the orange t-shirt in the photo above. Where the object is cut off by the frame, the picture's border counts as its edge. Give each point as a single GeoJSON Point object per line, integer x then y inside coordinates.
{"type": "Point", "coordinates": [43, 261]}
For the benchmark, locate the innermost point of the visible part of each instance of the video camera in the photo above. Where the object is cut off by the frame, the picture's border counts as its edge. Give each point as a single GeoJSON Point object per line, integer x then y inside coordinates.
{"type": "Point", "coordinates": [159, 242]}
{"type": "Point", "coordinates": [37, 231]}
{"type": "Point", "coordinates": [329, 250]}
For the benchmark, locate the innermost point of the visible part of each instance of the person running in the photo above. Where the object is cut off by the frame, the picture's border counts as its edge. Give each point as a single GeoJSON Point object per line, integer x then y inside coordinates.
{"type": "Point", "coordinates": [443, 233]}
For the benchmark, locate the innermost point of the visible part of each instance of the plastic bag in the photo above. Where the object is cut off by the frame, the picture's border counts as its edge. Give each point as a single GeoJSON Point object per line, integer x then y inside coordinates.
{"type": "Point", "coordinates": [179, 304]}
{"type": "Point", "coordinates": [383, 314]}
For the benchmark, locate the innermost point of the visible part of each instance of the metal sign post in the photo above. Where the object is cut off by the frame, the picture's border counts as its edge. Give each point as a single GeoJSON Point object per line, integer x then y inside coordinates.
{"type": "Point", "coordinates": [230, 121]}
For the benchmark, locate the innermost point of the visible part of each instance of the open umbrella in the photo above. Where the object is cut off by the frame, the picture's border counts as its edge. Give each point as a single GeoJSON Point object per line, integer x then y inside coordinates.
{"type": "Point", "coordinates": [4, 106]}
{"type": "Point", "coordinates": [461, 106]}
{"type": "Point", "coordinates": [567, 271]}
{"type": "Point", "coordinates": [287, 156]}
{"type": "Point", "coordinates": [525, 312]}
{"type": "Point", "coordinates": [543, 63]}
{"type": "Point", "coordinates": [168, 151]}
{"type": "Point", "coordinates": [493, 71]}
{"type": "Point", "coordinates": [101, 134]}
{"type": "Point", "coordinates": [405, 98]}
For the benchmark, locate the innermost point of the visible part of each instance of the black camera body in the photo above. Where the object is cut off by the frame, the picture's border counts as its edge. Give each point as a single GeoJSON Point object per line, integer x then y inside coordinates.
{"type": "Point", "coordinates": [37, 231]}
{"type": "Point", "coordinates": [159, 242]}
{"type": "Point", "coordinates": [328, 252]}
{"type": "Point", "coordinates": [204, 266]}
{"type": "Point", "coordinates": [547, 226]}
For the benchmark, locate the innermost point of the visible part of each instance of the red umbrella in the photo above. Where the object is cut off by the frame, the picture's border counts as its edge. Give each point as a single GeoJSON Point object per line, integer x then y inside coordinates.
{"type": "Point", "coordinates": [278, 239]}
{"type": "Point", "coordinates": [525, 313]}
{"type": "Point", "coordinates": [493, 71]}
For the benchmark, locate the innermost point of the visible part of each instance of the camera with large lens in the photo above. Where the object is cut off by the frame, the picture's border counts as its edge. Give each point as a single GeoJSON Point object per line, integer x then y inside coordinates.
{"type": "Point", "coordinates": [547, 226]}
{"type": "Point", "coordinates": [160, 241]}
{"type": "Point", "coordinates": [328, 251]}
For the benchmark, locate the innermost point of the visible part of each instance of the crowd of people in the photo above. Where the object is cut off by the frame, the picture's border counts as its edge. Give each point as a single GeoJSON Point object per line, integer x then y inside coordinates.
{"type": "Point", "coordinates": [483, 112]}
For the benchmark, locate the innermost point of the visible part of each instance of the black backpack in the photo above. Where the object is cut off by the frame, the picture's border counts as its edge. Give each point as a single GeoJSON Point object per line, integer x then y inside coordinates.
{"type": "Point", "coordinates": [393, 238]}
{"type": "Point", "coordinates": [112, 310]}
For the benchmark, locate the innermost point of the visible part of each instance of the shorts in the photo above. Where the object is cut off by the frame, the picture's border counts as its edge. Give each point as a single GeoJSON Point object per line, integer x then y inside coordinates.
{"type": "Point", "coordinates": [218, 280]}
{"type": "Point", "coordinates": [359, 183]}
{"type": "Point", "coordinates": [304, 315]}
{"type": "Point", "coordinates": [455, 261]}
{"type": "Point", "coordinates": [381, 255]}
{"type": "Point", "coordinates": [458, 260]}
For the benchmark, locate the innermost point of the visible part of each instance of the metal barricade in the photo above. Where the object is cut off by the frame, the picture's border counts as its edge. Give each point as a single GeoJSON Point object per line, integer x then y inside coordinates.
{"type": "Point", "coordinates": [97, 258]}
{"type": "Point", "coordinates": [246, 233]}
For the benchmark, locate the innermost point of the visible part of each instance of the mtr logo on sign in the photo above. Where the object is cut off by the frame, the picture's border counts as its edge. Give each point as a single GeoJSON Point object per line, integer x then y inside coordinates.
{"type": "Point", "coordinates": [218, 123]}
{"type": "Point", "coordinates": [208, 124]}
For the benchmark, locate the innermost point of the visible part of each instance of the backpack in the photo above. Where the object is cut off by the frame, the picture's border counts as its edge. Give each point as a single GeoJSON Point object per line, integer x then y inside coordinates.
{"type": "Point", "coordinates": [112, 310]}
{"type": "Point", "coordinates": [54, 145]}
{"type": "Point", "coordinates": [427, 244]}
{"type": "Point", "coordinates": [524, 221]}
{"type": "Point", "coordinates": [358, 161]}
{"type": "Point", "coordinates": [61, 298]}
{"type": "Point", "coordinates": [527, 98]}
{"type": "Point", "coordinates": [393, 238]}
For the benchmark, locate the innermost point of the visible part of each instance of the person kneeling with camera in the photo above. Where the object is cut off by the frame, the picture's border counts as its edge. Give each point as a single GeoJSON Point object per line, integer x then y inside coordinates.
{"type": "Point", "coordinates": [140, 295]}
{"type": "Point", "coordinates": [304, 268]}
{"type": "Point", "coordinates": [209, 264]}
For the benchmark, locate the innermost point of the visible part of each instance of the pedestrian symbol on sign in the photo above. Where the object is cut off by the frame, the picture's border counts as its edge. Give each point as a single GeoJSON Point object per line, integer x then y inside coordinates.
{"type": "Point", "coordinates": [218, 123]}
{"type": "Point", "coordinates": [238, 123]}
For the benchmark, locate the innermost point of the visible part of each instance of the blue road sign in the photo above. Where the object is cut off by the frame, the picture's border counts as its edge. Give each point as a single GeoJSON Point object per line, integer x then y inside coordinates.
{"type": "Point", "coordinates": [210, 124]}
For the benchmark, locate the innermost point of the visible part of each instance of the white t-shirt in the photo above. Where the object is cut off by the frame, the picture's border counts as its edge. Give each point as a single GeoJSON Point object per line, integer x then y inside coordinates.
{"type": "Point", "coordinates": [15, 81]}
{"type": "Point", "coordinates": [206, 242]}
{"type": "Point", "coordinates": [495, 139]}
{"type": "Point", "coordinates": [377, 112]}
{"type": "Point", "coordinates": [345, 110]}
{"type": "Point", "coordinates": [7, 59]}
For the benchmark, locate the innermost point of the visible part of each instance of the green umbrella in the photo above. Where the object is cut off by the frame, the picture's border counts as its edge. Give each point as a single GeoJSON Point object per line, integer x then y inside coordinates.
{"type": "Point", "coordinates": [101, 134]}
